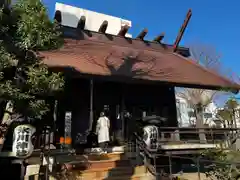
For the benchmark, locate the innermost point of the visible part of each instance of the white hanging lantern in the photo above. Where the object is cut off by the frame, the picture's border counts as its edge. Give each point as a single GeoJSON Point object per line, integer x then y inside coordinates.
{"type": "Point", "coordinates": [151, 137]}
{"type": "Point", "coordinates": [22, 140]}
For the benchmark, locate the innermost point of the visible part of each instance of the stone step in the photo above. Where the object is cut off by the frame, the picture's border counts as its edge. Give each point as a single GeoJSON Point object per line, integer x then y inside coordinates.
{"type": "Point", "coordinates": [111, 165]}
{"type": "Point", "coordinates": [122, 177]}
{"type": "Point", "coordinates": [108, 156]}
{"type": "Point", "coordinates": [114, 172]}
{"type": "Point", "coordinates": [135, 177]}
{"type": "Point", "coordinates": [108, 164]}
{"type": "Point", "coordinates": [117, 173]}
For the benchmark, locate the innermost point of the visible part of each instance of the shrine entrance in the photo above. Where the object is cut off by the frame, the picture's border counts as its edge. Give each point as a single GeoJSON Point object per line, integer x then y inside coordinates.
{"type": "Point", "coordinates": [124, 103]}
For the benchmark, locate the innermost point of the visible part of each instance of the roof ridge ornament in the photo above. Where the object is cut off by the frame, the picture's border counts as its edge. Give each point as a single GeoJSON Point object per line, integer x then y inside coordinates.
{"type": "Point", "coordinates": [58, 16]}
{"type": "Point", "coordinates": [142, 34]}
{"type": "Point", "coordinates": [123, 31]}
{"type": "Point", "coordinates": [81, 23]}
{"type": "Point", "coordinates": [103, 27]}
{"type": "Point", "coordinates": [159, 38]}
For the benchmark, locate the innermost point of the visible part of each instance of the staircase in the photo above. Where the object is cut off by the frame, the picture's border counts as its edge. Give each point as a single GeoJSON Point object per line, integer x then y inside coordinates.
{"type": "Point", "coordinates": [112, 166]}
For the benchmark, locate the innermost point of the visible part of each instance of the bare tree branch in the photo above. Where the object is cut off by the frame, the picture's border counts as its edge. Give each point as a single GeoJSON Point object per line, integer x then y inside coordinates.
{"type": "Point", "coordinates": [209, 58]}
{"type": "Point", "coordinates": [197, 99]}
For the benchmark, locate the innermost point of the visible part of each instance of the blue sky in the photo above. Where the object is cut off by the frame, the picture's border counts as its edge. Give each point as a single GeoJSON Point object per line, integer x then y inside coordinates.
{"type": "Point", "coordinates": [214, 23]}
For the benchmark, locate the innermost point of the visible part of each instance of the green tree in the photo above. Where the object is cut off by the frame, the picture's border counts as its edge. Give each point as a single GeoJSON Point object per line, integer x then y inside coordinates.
{"type": "Point", "coordinates": [222, 165]}
{"type": "Point", "coordinates": [25, 82]}
{"type": "Point", "coordinates": [231, 105]}
{"type": "Point", "coordinates": [225, 117]}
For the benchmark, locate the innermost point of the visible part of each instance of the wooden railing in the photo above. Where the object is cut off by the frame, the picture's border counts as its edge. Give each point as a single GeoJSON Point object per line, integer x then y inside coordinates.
{"type": "Point", "coordinates": [191, 135]}
{"type": "Point", "coordinates": [159, 171]}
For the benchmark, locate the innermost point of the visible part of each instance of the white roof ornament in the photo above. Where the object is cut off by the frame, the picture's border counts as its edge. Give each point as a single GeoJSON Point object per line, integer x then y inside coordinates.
{"type": "Point", "coordinates": [71, 16]}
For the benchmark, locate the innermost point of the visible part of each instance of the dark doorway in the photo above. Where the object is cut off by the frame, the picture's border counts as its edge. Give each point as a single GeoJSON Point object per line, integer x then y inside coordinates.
{"type": "Point", "coordinates": [149, 99]}
{"type": "Point", "coordinates": [127, 102]}
{"type": "Point", "coordinates": [107, 97]}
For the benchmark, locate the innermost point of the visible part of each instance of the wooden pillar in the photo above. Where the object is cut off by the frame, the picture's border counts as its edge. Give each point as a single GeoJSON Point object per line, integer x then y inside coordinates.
{"type": "Point", "coordinates": [170, 164]}
{"type": "Point", "coordinates": [198, 168]}
{"type": "Point", "coordinates": [138, 159]}
{"type": "Point", "coordinates": [122, 116]}
{"type": "Point", "coordinates": [53, 133]}
{"type": "Point", "coordinates": [91, 106]}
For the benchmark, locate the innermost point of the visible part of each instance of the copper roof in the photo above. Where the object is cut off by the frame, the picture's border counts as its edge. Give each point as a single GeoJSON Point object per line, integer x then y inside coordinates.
{"type": "Point", "coordinates": [106, 55]}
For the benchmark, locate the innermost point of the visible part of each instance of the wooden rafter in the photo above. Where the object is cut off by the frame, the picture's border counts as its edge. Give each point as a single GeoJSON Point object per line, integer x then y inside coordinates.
{"type": "Point", "coordinates": [103, 27]}
{"type": "Point", "coordinates": [181, 32]}
{"type": "Point", "coordinates": [142, 34]}
{"type": "Point", "coordinates": [81, 23]}
{"type": "Point", "coordinates": [123, 31]}
{"type": "Point", "coordinates": [159, 38]}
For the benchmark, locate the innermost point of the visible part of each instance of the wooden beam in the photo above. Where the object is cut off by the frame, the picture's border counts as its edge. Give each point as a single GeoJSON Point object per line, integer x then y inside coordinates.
{"type": "Point", "coordinates": [182, 30]}
{"type": "Point", "coordinates": [142, 34]}
{"type": "Point", "coordinates": [103, 27]}
{"type": "Point", "coordinates": [123, 31]}
{"type": "Point", "coordinates": [58, 16]}
{"type": "Point", "coordinates": [81, 23]}
{"type": "Point", "coordinates": [159, 38]}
